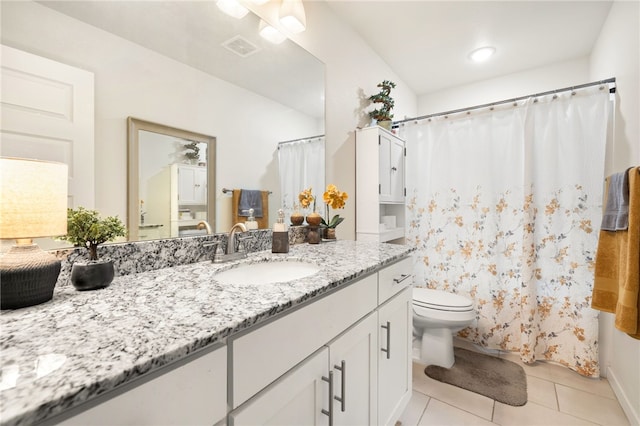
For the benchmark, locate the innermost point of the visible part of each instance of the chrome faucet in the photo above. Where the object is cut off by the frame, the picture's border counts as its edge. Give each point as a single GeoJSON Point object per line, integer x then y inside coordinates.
{"type": "Point", "coordinates": [231, 240]}
{"type": "Point", "coordinates": [203, 224]}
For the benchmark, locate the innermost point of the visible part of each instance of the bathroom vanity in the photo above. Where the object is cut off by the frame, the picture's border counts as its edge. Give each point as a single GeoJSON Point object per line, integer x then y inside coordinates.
{"type": "Point", "coordinates": [175, 346]}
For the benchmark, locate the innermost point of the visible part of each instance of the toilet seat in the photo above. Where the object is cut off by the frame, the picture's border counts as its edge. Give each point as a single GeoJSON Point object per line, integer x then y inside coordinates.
{"type": "Point", "coordinates": [440, 300]}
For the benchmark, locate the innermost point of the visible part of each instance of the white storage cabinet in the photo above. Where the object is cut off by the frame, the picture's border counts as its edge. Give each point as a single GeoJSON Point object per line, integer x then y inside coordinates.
{"type": "Point", "coordinates": [361, 374]}
{"type": "Point", "coordinates": [380, 185]}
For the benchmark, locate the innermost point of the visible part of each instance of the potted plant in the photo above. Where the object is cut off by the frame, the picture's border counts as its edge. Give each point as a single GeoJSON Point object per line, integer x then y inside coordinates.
{"type": "Point", "coordinates": [86, 229]}
{"type": "Point", "coordinates": [383, 114]}
{"type": "Point", "coordinates": [335, 199]}
{"type": "Point", "coordinates": [306, 198]}
{"type": "Point", "coordinates": [192, 153]}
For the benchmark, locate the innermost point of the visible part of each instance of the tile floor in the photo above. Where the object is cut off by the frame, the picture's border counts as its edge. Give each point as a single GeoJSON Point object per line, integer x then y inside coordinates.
{"type": "Point", "coordinates": [556, 396]}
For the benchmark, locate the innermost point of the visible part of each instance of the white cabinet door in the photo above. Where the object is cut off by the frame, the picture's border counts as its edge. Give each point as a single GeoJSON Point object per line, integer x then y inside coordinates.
{"type": "Point", "coordinates": [391, 169]}
{"type": "Point", "coordinates": [354, 360]}
{"type": "Point", "coordinates": [394, 360]}
{"type": "Point", "coordinates": [192, 185]}
{"type": "Point", "coordinates": [300, 397]}
{"type": "Point", "coordinates": [384, 166]}
{"type": "Point", "coordinates": [396, 167]}
{"type": "Point", "coordinates": [192, 394]}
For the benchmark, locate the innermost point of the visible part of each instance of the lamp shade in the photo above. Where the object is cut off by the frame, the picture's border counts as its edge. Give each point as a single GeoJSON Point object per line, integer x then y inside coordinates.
{"type": "Point", "coordinates": [33, 198]}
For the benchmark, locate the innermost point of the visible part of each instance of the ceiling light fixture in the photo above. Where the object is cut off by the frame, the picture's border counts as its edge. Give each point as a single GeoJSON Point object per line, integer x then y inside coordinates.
{"type": "Point", "coordinates": [482, 54]}
{"type": "Point", "coordinates": [270, 33]}
{"type": "Point", "coordinates": [232, 8]}
{"type": "Point", "coordinates": [292, 16]}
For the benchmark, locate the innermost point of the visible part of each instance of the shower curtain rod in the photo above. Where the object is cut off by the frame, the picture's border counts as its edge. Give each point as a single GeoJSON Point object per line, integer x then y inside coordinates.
{"type": "Point", "coordinates": [506, 101]}
{"type": "Point", "coordinates": [300, 139]}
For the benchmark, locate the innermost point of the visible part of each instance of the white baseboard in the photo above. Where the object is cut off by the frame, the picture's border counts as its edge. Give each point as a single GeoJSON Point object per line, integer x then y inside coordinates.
{"type": "Point", "coordinates": [630, 410]}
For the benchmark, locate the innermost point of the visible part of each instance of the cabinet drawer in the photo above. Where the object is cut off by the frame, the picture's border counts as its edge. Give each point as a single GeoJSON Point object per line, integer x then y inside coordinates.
{"type": "Point", "coordinates": [263, 355]}
{"type": "Point", "coordinates": [193, 393]}
{"type": "Point", "coordinates": [394, 278]}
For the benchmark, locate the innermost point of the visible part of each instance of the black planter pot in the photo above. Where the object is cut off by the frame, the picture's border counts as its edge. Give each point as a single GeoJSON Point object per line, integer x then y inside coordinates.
{"type": "Point", "coordinates": [93, 275]}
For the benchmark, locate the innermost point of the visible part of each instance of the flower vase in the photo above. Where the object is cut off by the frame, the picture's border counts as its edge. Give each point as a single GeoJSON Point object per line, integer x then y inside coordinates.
{"type": "Point", "coordinates": [313, 235]}
{"type": "Point", "coordinates": [314, 219]}
{"type": "Point", "coordinates": [297, 218]}
{"type": "Point", "coordinates": [329, 233]}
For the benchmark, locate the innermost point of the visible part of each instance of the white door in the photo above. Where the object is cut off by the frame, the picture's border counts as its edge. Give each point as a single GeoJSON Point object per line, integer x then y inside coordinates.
{"type": "Point", "coordinates": [186, 185]}
{"type": "Point", "coordinates": [297, 399]}
{"type": "Point", "coordinates": [201, 186]}
{"type": "Point", "coordinates": [47, 114]}
{"type": "Point", "coordinates": [192, 185]}
{"type": "Point", "coordinates": [397, 170]}
{"type": "Point", "coordinates": [384, 170]}
{"type": "Point", "coordinates": [394, 359]}
{"type": "Point", "coordinates": [354, 360]}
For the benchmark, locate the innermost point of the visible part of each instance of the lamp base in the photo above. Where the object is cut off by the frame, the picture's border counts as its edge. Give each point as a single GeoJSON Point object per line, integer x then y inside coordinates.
{"type": "Point", "coordinates": [28, 276]}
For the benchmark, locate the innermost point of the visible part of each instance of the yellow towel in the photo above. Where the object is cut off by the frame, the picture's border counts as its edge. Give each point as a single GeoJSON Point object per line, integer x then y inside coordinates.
{"type": "Point", "coordinates": [263, 222]}
{"type": "Point", "coordinates": [617, 273]}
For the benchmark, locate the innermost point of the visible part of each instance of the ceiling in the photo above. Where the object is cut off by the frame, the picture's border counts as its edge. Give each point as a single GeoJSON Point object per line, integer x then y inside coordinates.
{"type": "Point", "coordinates": [427, 43]}
{"type": "Point", "coordinates": [195, 32]}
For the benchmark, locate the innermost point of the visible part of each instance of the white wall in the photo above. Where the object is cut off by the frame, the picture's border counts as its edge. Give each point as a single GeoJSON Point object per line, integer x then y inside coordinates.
{"type": "Point", "coordinates": [617, 54]}
{"type": "Point", "coordinates": [134, 81]}
{"type": "Point", "coordinates": [537, 80]}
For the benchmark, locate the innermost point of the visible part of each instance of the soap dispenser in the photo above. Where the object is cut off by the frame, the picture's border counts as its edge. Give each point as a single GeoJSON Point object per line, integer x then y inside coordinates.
{"type": "Point", "coordinates": [251, 221]}
{"type": "Point", "coordinates": [280, 237]}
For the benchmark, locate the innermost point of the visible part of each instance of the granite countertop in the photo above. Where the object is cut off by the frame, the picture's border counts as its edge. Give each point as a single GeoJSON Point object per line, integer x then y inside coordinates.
{"type": "Point", "coordinates": [59, 354]}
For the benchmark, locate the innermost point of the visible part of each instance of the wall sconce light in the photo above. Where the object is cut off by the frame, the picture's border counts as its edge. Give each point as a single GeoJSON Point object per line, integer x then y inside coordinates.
{"type": "Point", "coordinates": [33, 204]}
{"type": "Point", "coordinates": [292, 16]}
{"type": "Point", "coordinates": [271, 33]}
{"type": "Point", "coordinates": [232, 8]}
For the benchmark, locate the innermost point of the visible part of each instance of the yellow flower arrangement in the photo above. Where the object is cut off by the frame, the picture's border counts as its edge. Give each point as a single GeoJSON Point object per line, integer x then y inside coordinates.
{"type": "Point", "coordinates": [306, 197]}
{"type": "Point", "coordinates": [335, 199]}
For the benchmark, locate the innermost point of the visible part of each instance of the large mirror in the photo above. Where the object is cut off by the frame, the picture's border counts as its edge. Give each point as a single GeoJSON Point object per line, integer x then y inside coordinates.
{"type": "Point", "coordinates": [182, 65]}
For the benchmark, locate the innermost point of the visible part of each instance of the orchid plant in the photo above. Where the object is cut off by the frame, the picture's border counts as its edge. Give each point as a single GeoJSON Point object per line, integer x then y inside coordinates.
{"type": "Point", "coordinates": [306, 197]}
{"type": "Point", "coordinates": [335, 199]}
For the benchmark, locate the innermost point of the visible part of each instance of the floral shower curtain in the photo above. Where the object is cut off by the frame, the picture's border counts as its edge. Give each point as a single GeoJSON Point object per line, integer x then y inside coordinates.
{"type": "Point", "coordinates": [504, 207]}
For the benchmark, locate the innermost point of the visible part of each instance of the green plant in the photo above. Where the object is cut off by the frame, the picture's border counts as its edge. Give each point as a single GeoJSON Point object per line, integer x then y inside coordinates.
{"type": "Point", "coordinates": [383, 113]}
{"type": "Point", "coordinates": [335, 199]}
{"type": "Point", "coordinates": [86, 229]}
{"type": "Point", "coordinates": [193, 151]}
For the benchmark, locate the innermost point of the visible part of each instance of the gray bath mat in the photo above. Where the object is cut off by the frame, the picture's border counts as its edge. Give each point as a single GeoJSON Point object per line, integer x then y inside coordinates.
{"type": "Point", "coordinates": [493, 377]}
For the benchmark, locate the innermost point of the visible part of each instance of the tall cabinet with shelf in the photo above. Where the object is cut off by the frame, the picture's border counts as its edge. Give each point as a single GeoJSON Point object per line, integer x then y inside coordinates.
{"type": "Point", "coordinates": [380, 185]}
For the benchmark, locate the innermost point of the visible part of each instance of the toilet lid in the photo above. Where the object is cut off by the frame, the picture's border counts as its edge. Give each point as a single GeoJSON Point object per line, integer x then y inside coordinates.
{"type": "Point", "coordinates": [441, 300]}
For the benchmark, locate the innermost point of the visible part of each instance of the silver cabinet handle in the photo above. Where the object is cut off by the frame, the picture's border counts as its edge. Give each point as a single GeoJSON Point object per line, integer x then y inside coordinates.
{"type": "Point", "coordinates": [329, 413]}
{"type": "Point", "coordinates": [388, 349]}
{"type": "Point", "coordinates": [342, 368]}
{"type": "Point", "coordinates": [402, 278]}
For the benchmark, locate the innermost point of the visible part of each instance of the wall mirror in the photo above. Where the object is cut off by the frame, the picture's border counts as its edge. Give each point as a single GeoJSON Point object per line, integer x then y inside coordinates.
{"type": "Point", "coordinates": [169, 173]}
{"type": "Point", "coordinates": [182, 65]}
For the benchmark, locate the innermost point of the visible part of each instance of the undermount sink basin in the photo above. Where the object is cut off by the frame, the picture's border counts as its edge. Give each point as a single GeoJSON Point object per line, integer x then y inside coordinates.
{"type": "Point", "coordinates": [266, 272]}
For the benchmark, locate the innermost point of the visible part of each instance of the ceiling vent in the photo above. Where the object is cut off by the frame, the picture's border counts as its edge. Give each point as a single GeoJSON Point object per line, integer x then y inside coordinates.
{"type": "Point", "coordinates": [241, 46]}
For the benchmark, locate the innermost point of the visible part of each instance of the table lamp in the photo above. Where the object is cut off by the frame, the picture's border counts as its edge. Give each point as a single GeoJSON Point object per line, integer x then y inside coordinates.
{"type": "Point", "coordinates": [33, 204]}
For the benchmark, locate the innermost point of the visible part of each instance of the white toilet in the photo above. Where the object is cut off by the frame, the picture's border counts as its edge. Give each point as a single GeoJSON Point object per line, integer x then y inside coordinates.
{"type": "Point", "coordinates": [436, 316]}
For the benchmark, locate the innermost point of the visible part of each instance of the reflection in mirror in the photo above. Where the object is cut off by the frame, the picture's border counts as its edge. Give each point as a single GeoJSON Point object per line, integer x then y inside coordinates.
{"type": "Point", "coordinates": [169, 62]}
{"type": "Point", "coordinates": [301, 166]}
{"type": "Point", "coordinates": [170, 171]}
